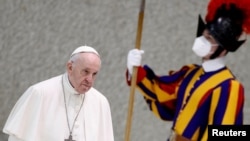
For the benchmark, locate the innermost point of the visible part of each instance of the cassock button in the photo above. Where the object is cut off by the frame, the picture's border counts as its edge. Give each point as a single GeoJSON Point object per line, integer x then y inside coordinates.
{"type": "Point", "coordinates": [76, 125]}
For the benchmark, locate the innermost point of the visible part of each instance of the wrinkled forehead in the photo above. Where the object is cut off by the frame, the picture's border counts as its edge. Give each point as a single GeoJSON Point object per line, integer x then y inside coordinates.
{"type": "Point", "coordinates": [86, 59]}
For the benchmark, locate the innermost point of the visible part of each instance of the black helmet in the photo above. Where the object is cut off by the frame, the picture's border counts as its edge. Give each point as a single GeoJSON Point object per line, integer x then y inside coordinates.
{"type": "Point", "coordinates": [225, 22]}
{"type": "Point", "coordinates": [226, 27]}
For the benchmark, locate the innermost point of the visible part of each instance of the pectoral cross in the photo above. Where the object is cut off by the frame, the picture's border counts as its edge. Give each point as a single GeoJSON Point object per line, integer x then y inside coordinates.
{"type": "Point", "coordinates": [70, 138]}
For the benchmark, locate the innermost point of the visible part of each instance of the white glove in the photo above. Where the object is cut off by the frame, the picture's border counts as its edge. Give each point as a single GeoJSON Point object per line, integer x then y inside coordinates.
{"type": "Point", "coordinates": [134, 59]}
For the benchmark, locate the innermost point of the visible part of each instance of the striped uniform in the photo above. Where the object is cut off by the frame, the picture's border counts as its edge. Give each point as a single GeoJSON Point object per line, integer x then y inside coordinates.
{"type": "Point", "coordinates": [193, 99]}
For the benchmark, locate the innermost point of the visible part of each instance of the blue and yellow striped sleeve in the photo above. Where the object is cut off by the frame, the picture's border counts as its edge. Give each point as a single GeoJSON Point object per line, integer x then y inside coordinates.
{"type": "Point", "coordinates": [160, 92]}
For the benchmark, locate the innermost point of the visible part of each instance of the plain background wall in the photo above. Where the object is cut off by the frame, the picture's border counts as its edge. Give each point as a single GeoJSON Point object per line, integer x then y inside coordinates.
{"type": "Point", "coordinates": [37, 37]}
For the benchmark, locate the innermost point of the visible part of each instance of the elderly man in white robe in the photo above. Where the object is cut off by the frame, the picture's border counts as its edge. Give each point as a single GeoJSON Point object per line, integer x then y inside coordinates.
{"type": "Point", "coordinates": [65, 107]}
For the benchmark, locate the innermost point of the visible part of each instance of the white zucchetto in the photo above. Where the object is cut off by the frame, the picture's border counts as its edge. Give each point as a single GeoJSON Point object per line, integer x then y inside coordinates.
{"type": "Point", "coordinates": [84, 49]}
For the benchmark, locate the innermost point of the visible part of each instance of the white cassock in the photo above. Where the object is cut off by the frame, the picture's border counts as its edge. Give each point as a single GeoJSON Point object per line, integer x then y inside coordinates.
{"type": "Point", "coordinates": [40, 114]}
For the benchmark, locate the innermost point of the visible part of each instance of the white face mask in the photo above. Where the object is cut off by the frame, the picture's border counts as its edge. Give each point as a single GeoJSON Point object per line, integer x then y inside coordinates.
{"type": "Point", "coordinates": [202, 46]}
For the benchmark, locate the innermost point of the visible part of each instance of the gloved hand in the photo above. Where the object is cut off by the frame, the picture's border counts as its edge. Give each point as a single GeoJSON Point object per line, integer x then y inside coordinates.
{"type": "Point", "coordinates": [134, 59]}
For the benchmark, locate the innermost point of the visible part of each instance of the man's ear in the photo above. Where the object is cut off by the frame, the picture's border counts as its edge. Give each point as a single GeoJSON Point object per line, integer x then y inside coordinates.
{"type": "Point", "coordinates": [69, 66]}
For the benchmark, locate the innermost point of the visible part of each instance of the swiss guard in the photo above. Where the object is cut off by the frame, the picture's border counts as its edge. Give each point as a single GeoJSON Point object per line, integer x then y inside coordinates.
{"type": "Point", "coordinates": [198, 95]}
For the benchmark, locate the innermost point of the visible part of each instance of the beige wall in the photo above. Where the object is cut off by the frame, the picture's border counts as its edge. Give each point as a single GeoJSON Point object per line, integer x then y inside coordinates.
{"type": "Point", "coordinates": [37, 37]}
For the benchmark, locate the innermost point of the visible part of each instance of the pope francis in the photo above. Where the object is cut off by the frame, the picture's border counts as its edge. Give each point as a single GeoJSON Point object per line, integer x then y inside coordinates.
{"type": "Point", "coordinates": [65, 107]}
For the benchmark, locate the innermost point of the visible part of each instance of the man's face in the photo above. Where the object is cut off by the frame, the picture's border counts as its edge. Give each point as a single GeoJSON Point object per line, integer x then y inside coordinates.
{"type": "Point", "coordinates": [209, 37]}
{"type": "Point", "coordinates": [82, 72]}
{"type": "Point", "coordinates": [212, 41]}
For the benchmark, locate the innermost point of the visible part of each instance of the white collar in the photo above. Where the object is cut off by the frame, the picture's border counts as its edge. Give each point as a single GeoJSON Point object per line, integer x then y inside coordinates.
{"type": "Point", "coordinates": [213, 65]}
{"type": "Point", "coordinates": [67, 86]}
